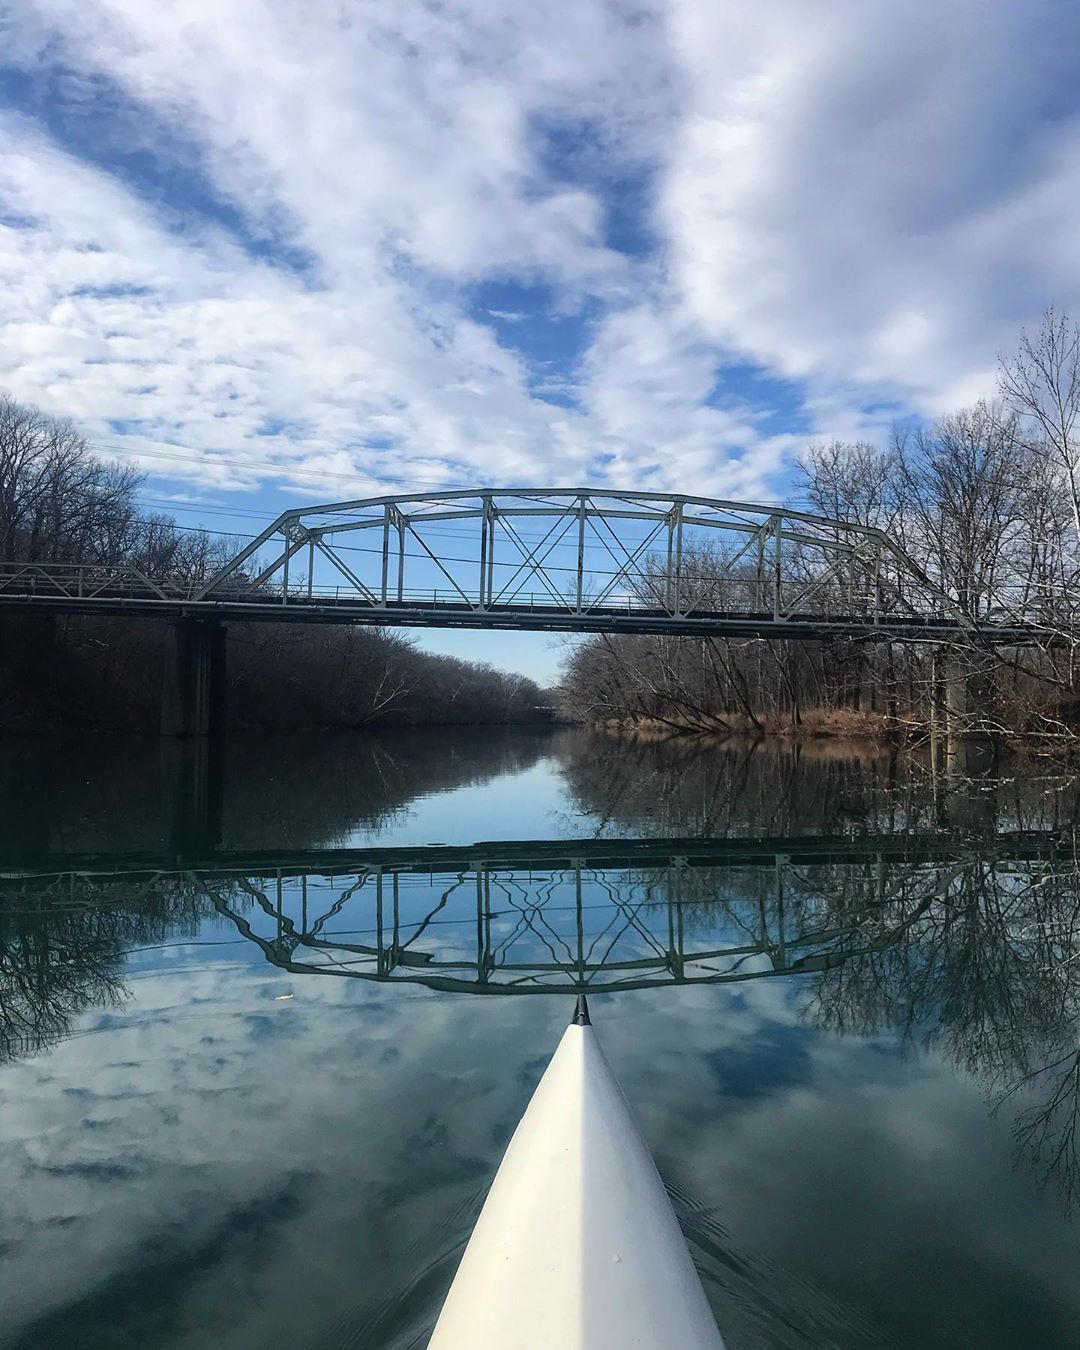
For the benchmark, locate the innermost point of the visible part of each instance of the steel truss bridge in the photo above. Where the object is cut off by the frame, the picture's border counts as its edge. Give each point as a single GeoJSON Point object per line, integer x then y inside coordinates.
{"type": "Point", "coordinates": [572, 560]}
{"type": "Point", "coordinates": [544, 916]}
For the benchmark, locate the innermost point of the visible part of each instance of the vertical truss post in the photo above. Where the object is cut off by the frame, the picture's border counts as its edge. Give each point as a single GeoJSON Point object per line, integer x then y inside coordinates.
{"type": "Point", "coordinates": [580, 552]}
{"type": "Point", "coordinates": [877, 584]}
{"type": "Point", "coordinates": [671, 928]}
{"type": "Point", "coordinates": [493, 513]}
{"type": "Point", "coordinates": [481, 955]}
{"type": "Point", "coordinates": [760, 598]}
{"type": "Point", "coordinates": [380, 959]}
{"type": "Point", "coordinates": [580, 924]}
{"type": "Point", "coordinates": [485, 531]}
{"type": "Point", "coordinates": [488, 963]}
{"type": "Point", "coordinates": [310, 565]}
{"type": "Point", "coordinates": [396, 948]}
{"type": "Point", "coordinates": [668, 578]}
{"type": "Point", "coordinates": [385, 552]}
{"type": "Point", "coordinates": [777, 565]}
{"type": "Point", "coordinates": [285, 569]}
{"type": "Point", "coordinates": [399, 521]}
{"type": "Point", "coordinates": [680, 934]}
{"type": "Point", "coordinates": [677, 959]}
{"type": "Point", "coordinates": [677, 596]}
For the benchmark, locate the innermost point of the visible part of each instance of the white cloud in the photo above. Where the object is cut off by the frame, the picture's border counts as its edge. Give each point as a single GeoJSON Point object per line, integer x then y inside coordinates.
{"type": "Point", "coordinates": [875, 195]}
{"type": "Point", "coordinates": [866, 201]}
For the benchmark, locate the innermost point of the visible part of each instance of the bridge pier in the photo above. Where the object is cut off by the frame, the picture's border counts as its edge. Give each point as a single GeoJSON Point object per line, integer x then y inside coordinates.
{"type": "Point", "coordinates": [965, 692]}
{"type": "Point", "coordinates": [193, 688]}
{"type": "Point", "coordinates": [192, 793]}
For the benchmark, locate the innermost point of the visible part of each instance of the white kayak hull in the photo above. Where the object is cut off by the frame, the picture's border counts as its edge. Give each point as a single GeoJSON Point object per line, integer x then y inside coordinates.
{"type": "Point", "coordinates": [577, 1246]}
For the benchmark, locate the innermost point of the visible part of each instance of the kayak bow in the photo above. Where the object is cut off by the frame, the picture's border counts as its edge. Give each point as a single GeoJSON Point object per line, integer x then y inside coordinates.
{"type": "Point", "coordinates": [577, 1246]}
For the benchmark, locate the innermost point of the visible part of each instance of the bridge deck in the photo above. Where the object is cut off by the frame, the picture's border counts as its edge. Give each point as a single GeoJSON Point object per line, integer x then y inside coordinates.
{"type": "Point", "coordinates": [598, 854]}
{"type": "Point", "coordinates": [543, 617]}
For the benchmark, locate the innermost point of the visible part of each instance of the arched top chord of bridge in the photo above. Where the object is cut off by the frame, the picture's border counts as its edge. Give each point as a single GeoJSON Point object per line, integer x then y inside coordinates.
{"type": "Point", "coordinates": [573, 559]}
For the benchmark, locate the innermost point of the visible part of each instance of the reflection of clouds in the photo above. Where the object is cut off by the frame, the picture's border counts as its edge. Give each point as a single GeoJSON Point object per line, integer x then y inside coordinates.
{"type": "Point", "coordinates": [220, 1114]}
{"type": "Point", "coordinates": [901, 1189]}
{"type": "Point", "coordinates": [294, 1163]}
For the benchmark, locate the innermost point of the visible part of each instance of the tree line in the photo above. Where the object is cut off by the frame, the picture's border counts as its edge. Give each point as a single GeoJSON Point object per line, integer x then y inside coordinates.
{"type": "Point", "coordinates": [986, 501]}
{"type": "Point", "coordinates": [61, 503]}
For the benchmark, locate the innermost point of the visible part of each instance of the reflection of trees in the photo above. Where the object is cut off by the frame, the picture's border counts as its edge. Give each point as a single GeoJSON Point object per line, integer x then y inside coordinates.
{"type": "Point", "coordinates": [692, 787]}
{"type": "Point", "coordinates": [974, 955]}
{"type": "Point", "coordinates": [50, 972]}
{"type": "Point", "coordinates": [986, 968]}
{"type": "Point", "coordinates": [279, 792]}
{"type": "Point", "coordinates": [302, 794]}
{"type": "Point", "coordinates": [1049, 1130]}
{"type": "Point", "coordinates": [936, 934]}
{"type": "Point", "coordinates": [60, 957]}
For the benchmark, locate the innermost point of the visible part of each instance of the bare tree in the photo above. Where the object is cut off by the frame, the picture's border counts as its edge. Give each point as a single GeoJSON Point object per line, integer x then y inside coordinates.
{"type": "Point", "coordinates": [58, 501]}
{"type": "Point", "coordinates": [1041, 383]}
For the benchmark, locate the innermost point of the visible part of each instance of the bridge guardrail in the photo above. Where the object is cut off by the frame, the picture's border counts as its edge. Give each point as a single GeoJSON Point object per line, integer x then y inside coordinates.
{"type": "Point", "coordinates": [1036, 609]}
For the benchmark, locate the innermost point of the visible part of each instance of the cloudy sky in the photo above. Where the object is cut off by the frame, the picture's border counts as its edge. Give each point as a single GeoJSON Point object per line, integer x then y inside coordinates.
{"type": "Point", "coordinates": [287, 251]}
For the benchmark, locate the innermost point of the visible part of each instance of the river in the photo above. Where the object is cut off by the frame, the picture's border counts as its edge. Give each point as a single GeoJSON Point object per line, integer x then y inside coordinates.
{"type": "Point", "coordinates": [267, 1025]}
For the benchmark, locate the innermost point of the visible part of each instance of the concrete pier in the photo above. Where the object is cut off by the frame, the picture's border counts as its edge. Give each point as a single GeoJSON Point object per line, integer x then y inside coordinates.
{"type": "Point", "coordinates": [193, 692]}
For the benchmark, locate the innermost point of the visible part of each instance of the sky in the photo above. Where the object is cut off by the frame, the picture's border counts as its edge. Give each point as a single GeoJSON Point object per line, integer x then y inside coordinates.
{"type": "Point", "coordinates": [280, 253]}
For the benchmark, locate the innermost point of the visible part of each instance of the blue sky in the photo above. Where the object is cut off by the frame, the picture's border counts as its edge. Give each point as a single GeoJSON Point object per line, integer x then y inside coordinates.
{"type": "Point", "coordinates": [283, 253]}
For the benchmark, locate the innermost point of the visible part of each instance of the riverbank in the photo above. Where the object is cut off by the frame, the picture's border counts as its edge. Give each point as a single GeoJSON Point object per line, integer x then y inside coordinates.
{"type": "Point", "coordinates": [106, 675]}
{"type": "Point", "coordinates": [814, 724]}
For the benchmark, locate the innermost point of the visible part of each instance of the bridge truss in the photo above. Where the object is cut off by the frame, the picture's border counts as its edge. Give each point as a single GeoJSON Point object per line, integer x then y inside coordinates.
{"type": "Point", "coordinates": [580, 558]}
{"type": "Point", "coordinates": [546, 916]}
{"type": "Point", "coordinates": [571, 560]}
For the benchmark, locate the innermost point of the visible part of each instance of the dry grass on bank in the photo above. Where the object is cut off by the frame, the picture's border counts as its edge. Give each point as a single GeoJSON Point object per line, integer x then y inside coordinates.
{"type": "Point", "coordinates": [814, 724]}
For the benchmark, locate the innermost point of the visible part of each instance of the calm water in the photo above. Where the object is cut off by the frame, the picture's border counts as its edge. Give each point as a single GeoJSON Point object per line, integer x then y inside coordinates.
{"type": "Point", "coordinates": [264, 1032]}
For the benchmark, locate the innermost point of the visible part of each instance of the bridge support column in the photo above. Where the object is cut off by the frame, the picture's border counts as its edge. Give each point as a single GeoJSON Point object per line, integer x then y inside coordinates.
{"type": "Point", "coordinates": [966, 691]}
{"type": "Point", "coordinates": [193, 691]}
{"type": "Point", "coordinates": [192, 794]}
{"type": "Point", "coordinates": [955, 696]}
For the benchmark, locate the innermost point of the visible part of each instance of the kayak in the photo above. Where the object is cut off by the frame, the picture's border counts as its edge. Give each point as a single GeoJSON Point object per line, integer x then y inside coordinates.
{"type": "Point", "coordinates": [577, 1246]}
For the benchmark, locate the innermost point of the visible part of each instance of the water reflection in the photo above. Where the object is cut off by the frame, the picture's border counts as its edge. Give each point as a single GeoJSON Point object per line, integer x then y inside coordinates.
{"type": "Point", "coordinates": [827, 897]}
{"type": "Point", "coordinates": [971, 947]}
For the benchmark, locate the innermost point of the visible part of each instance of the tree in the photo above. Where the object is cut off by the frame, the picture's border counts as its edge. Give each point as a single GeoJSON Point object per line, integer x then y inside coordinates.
{"type": "Point", "coordinates": [1041, 384]}
{"type": "Point", "coordinates": [58, 501]}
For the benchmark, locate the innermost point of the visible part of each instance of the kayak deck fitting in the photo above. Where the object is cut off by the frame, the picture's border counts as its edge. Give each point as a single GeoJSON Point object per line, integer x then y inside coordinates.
{"type": "Point", "coordinates": [577, 1246]}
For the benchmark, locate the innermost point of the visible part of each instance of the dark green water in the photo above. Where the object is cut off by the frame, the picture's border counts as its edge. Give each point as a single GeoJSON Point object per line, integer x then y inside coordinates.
{"type": "Point", "coordinates": [264, 1032]}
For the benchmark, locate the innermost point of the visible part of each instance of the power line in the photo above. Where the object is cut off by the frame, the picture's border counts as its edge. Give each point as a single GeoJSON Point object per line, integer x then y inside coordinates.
{"type": "Point", "coordinates": [291, 471]}
{"type": "Point", "coordinates": [521, 563]}
{"type": "Point", "coordinates": [210, 461]}
{"type": "Point", "coordinates": [195, 509]}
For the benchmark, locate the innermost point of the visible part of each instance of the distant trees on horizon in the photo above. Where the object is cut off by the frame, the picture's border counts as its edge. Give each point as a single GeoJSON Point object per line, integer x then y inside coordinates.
{"type": "Point", "coordinates": [61, 503]}
{"type": "Point", "coordinates": [985, 500]}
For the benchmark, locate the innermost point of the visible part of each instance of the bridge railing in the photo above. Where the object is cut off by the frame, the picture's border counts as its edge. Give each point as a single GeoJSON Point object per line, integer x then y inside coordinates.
{"type": "Point", "coordinates": [799, 595]}
{"type": "Point", "coordinates": [84, 581]}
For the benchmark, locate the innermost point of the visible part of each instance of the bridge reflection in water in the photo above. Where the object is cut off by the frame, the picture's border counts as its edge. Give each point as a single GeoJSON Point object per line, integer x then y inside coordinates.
{"type": "Point", "coordinates": [549, 916]}
{"type": "Point", "coordinates": [966, 943]}
{"type": "Point", "coordinates": [546, 925]}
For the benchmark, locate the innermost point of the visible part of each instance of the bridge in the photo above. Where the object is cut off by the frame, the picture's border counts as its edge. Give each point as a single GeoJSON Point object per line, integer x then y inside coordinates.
{"type": "Point", "coordinates": [572, 560]}
{"type": "Point", "coordinates": [58, 871]}
{"type": "Point", "coordinates": [542, 916]}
